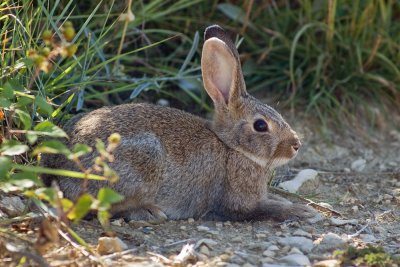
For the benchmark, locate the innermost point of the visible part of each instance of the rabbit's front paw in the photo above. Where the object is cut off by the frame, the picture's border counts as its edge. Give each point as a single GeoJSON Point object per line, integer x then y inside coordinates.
{"type": "Point", "coordinates": [150, 213]}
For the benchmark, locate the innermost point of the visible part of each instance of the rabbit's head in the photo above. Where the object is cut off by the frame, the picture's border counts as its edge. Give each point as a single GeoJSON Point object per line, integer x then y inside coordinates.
{"type": "Point", "coordinates": [241, 121]}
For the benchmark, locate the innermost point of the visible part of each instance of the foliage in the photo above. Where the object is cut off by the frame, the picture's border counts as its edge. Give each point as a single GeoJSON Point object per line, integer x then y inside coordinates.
{"type": "Point", "coordinates": [368, 256]}
{"type": "Point", "coordinates": [59, 57]}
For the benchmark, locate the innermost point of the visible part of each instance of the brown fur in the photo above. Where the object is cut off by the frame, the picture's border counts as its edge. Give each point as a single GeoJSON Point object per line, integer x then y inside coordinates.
{"type": "Point", "coordinates": [176, 165]}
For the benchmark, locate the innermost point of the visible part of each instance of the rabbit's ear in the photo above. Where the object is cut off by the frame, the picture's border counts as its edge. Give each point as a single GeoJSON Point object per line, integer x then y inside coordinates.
{"type": "Point", "coordinates": [220, 65]}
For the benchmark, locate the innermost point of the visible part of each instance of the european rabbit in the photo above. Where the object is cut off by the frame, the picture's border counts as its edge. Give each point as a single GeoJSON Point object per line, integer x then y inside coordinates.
{"type": "Point", "coordinates": [175, 165]}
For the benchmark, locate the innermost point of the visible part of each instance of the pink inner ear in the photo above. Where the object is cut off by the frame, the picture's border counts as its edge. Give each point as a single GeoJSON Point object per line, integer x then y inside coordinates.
{"type": "Point", "coordinates": [223, 74]}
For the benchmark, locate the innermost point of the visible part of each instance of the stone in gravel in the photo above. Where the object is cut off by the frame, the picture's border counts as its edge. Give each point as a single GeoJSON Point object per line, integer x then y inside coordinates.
{"type": "Point", "coordinates": [190, 220]}
{"type": "Point", "coordinates": [261, 235]}
{"type": "Point", "coordinates": [206, 241]}
{"type": "Point", "coordinates": [237, 259]}
{"type": "Point", "coordinates": [109, 245]}
{"type": "Point", "coordinates": [295, 250]}
{"type": "Point", "coordinates": [328, 263]}
{"type": "Point", "coordinates": [203, 228]}
{"type": "Point", "coordinates": [269, 253]}
{"type": "Point", "coordinates": [317, 218]}
{"type": "Point", "coordinates": [205, 250]}
{"type": "Point", "coordinates": [236, 239]}
{"type": "Point", "coordinates": [138, 224]}
{"type": "Point", "coordinates": [340, 222]}
{"type": "Point", "coordinates": [260, 246]}
{"type": "Point", "coordinates": [232, 265]}
{"type": "Point", "coordinates": [273, 248]}
{"type": "Point", "coordinates": [304, 244]}
{"type": "Point", "coordinates": [300, 232]}
{"type": "Point", "coordinates": [330, 242]}
{"type": "Point", "coordinates": [296, 259]}
{"type": "Point", "coordinates": [248, 265]}
{"type": "Point", "coordinates": [118, 222]}
{"type": "Point", "coordinates": [367, 238]}
{"type": "Point", "coordinates": [358, 165]}
{"type": "Point", "coordinates": [12, 206]}
{"type": "Point", "coordinates": [304, 181]}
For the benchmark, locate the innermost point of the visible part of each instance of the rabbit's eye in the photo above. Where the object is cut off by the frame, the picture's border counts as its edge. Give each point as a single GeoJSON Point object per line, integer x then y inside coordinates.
{"type": "Point", "coordinates": [260, 125]}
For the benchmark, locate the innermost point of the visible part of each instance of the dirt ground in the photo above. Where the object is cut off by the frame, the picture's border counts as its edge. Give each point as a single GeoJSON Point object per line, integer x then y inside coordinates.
{"type": "Point", "coordinates": [358, 177]}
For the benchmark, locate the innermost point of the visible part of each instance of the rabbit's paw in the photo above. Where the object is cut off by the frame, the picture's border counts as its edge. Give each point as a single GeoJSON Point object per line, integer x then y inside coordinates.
{"type": "Point", "coordinates": [299, 212]}
{"type": "Point", "coordinates": [152, 214]}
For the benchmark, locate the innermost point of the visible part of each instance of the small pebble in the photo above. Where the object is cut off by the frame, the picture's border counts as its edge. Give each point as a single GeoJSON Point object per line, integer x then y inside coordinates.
{"type": "Point", "coordinates": [182, 227]}
{"type": "Point", "coordinates": [269, 253]}
{"type": "Point", "coordinates": [205, 250]}
{"type": "Point", "coordinates": [261, 235]}
{"type": "Point", "coordinates": [203, 228]}
{"type": "Point", "coordinates": [190, 220]}
{"type": "Point", "coordinates": [355, 209]}
{"type": "Point", "coordinates": [236, 239]}
{"type": "Point", "coordinates": [273, 248]}
{"type": "Point", "coordinates": [300, 232]}
{"type": "Point", "coordinates": [295, 250]}
{"type": "Point", "coordinates": [296, 259]}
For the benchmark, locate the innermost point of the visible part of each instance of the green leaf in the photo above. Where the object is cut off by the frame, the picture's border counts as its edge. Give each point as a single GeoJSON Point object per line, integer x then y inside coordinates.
{"type": "Point", "coordinates": [80, 150]}
{"type": "Point", "coordinates": [81, 208]}
{"type": "Point", "coordinates": [66, 204]}
{"type": "Point", "coordinates": [5, 166]}
{"type": "Point", "coordinates": [51, 147]}
{"type": "Point", "coordinates": [48, 194]}
{"type": "Point", "coordinates": [233, 12]}
{"type": "Point", "coordinates": [8, 91]}
{"type": "Point", "coordinates": [107, 197]}
{"type": "Point", "coordinates": [31, 137]}
{"type": "Point", "coordinates": [104, 218]}
{"type": "Point", "coordinates": [49, 129]}
{"type": "Point", "coordinates": [25, 179]}
{"type": "Point", "coordinates": [15, 85]}
{"type": "Point", "coordinates": [100, 146]}
{"type": "Point", "coordinates": [4, 103]}
{"type": "Point", "coordinates": [12, 148]}
{"type": "Point", "coordinates": [25, 118]}
{"type": "Point", "coordinates": [23, 101]}
{"type": "Point", "coordinates": [43, 105]}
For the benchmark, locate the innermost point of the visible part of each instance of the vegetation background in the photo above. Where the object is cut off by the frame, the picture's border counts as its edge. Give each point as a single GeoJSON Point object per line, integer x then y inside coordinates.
{"type": "Point", "coordinates": [336, 60]}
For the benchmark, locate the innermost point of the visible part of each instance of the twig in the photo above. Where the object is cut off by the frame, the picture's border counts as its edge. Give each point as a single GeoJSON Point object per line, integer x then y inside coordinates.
{"type": "Point", "coordinates": [159, 256]}
{"type": "Point", "coordinates": [359, 231]}
{"type": "Point", "coordinates": [80, 248]}
{"type": "Point", "coordinates": [116, 254]}
{"type": "Point", "coordinates": [305, 200]}
{"type": "Point", "coordinates": [178, 242]}
{"type": "Point", "coordinates": [37, 258]}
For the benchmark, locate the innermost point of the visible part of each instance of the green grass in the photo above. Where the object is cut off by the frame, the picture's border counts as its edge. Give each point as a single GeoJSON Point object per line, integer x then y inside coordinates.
{"type": "Point", "coordinates": [336, 59]}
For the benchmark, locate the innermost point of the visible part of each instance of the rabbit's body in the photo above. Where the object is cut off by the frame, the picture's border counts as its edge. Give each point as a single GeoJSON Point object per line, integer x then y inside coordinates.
{"type": "Point", "coordinates": [176, 165]}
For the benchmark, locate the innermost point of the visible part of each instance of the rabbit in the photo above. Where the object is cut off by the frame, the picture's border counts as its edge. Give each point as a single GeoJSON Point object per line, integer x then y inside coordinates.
{"type": "Point", "coordinates": [174, 165]}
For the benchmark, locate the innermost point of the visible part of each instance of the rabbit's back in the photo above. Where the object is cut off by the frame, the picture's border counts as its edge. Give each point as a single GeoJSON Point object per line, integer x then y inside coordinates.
{"type": "Point", "coordinates": [162, 153]}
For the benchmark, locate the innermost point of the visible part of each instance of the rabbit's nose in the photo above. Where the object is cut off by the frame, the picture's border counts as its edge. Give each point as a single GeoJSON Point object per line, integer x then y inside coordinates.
{"type": "Point", "coordinates": [296, 144]}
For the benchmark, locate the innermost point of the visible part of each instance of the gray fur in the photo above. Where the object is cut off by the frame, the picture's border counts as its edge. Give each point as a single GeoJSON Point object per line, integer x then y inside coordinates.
{"type": "Point", "coordinates": [176, 165]}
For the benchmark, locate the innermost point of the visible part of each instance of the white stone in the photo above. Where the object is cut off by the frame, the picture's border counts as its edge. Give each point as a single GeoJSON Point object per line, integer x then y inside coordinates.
{"type": "Point", "coordinates": [296, 259]}
{"type": "Point", "coordinates": [206, 241]}
{"type": "Point", "coordinates": [300, 232]}
{"type": "Point", "coordinates": [109, 245]}
{"type": "Point", "coordinates": [358, 165]}
{"type": "Point", "coordinates": [304, 244]}
{"type": "Point", "coordinates": [203, 228]}
{"type": "Point", "coordinates": [269, 253]}
{"type": "Point", "coordinates": [295, 250]}
{"type": "Point", "coordinates": [273, 248]}
{"type": "Point", "coordinates": [330, 242]}
{"type": "Point", "coordinates": [328, 263]}
{"type": "Point", "coordinates": [12, 206]}
{"type": "Point", "coordinates": [304, 175]}
{"type": "Point", "coordinates": [339, 222]}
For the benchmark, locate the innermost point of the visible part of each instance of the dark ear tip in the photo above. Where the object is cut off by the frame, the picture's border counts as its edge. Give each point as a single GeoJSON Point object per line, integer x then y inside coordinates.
{"type": "Point", "coordinates": [214, 31]}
